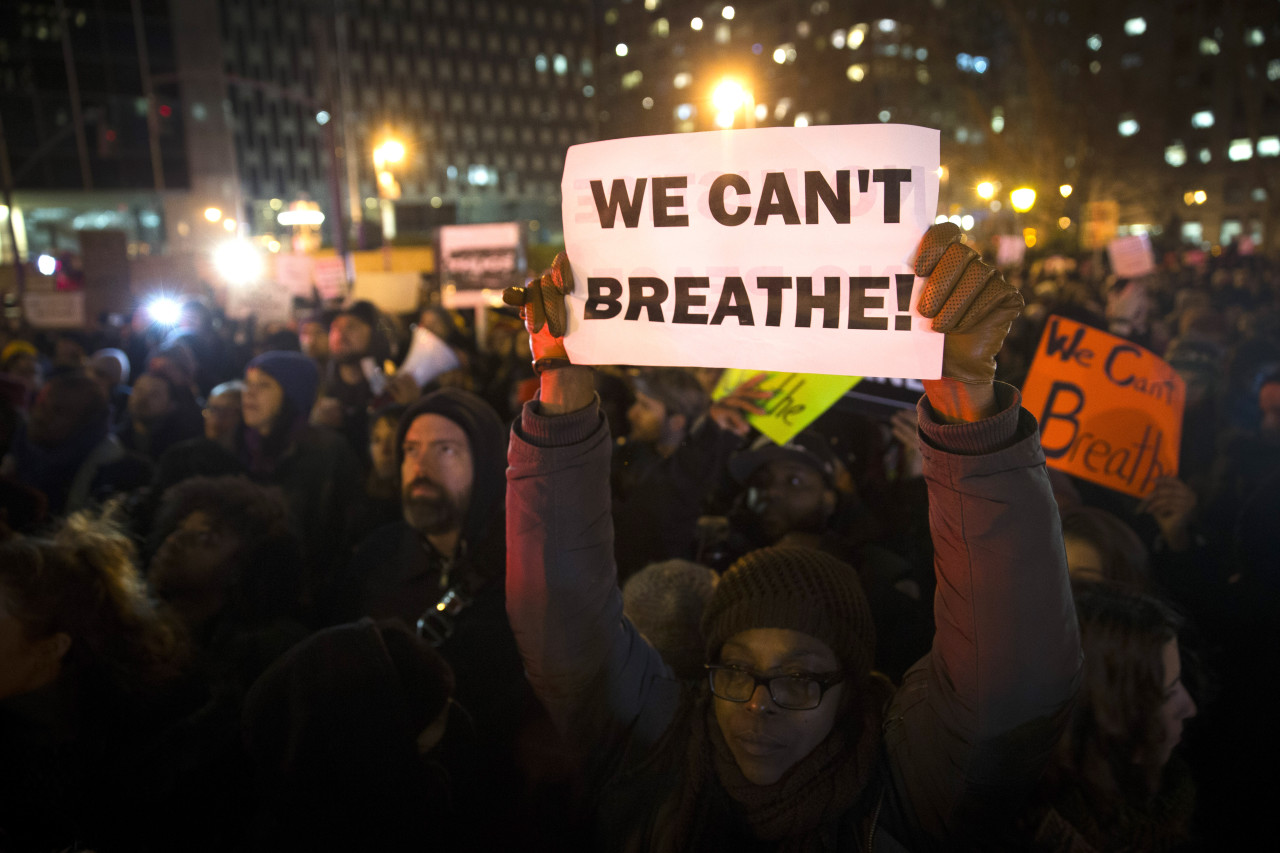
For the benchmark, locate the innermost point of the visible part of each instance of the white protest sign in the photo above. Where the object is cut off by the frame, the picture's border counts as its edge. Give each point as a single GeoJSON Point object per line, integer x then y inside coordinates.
{"type": "Point", "coordinates": [293, 272]}
{"type": "Point", "coordinates": [1011, 251]}
{"type": "Point", "coordinates": [428, 357]}
{"type": "Point", "coordinates": [1131, 257]}
{"type": "Point", "coordinates": [783, 249]}
{"type": "Point", "coordinates": [330, 276]}
{"type": "Point", "coordinates": [265, 302]}
{"type": "Point", "coordinates": [488, 256]}
{"type": "Point", "coordinates": [55, 310]}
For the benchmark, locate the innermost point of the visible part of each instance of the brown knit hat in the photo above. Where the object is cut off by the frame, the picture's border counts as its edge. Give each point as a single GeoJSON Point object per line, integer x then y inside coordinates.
{"type": "Point", "coordinates": [802, 589]}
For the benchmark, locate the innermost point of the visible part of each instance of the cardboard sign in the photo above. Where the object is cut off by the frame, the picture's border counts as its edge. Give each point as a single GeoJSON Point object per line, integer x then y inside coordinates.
{"type": "Point", "coordinates": [1131, 257]}
{"type": "Point", "coordinates": [1110, 412]}
{"type": "Point", "coordinates": [482, 257]}
{"type": "Point", "coordinates": [56, 310]}
{"type": "Point", "coordinates": [781, 249]}
{"type": "Point", "coordinates": [392, 292]}
{"type": "Point", "coordinates": [330, 276]}
{"type": "Point", "coordinates": [796, 399]}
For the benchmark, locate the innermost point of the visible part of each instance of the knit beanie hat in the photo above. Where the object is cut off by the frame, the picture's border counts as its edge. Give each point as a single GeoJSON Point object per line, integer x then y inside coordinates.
{"type": "Point", "coordinates": [296, 374]}
{"type": "Point", "coordinates": [801, 589]}
{"type": "Point", "coordinates": [665, 601]}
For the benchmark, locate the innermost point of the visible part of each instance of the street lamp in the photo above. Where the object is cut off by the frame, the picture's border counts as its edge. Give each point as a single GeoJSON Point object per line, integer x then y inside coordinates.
{"type": "Point", "coordinates": [728, 97]}
{"type": "Point", "coordinates": [391, 152]}
{"type": "Point", "coordinates": [986, 190]}
{"type": "Point", "coordinates": [1022, 199]}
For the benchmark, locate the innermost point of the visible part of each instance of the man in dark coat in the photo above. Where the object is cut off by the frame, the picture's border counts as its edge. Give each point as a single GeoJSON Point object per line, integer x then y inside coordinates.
{"type": "Point", "coordinates": [442, 568]}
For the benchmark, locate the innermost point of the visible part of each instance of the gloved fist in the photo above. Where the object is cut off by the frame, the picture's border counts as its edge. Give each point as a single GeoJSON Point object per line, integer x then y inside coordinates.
{"type": "Point", "coordinates": [968, 300]}
{"type": "Point", "coordinates": [541, 304]}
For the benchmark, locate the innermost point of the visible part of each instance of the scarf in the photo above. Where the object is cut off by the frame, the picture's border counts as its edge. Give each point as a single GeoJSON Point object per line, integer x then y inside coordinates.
{"type": "Point", "coordinates": [800, 811]}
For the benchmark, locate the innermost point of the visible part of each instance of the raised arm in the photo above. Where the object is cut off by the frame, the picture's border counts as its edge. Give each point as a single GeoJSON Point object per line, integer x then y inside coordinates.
{"type": "Point", "coordinates": [975, 720]}
{"type": "Point", "coordinates": [594, 672]}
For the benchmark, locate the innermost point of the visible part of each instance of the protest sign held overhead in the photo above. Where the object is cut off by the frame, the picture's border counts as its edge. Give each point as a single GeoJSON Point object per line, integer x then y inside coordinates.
{"type": "Point", "coordinates": [1110, 411]}
{"type": "Point", "coordinates": [794, 400]}
{"type": "Point", "coordinates": [780, 249]}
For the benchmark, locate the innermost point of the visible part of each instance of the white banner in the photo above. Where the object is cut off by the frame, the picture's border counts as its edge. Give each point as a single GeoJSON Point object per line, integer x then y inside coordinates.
{"type": "Point", "coordinates": [54, 310]}
{"type": "Point", "coordinates": [784, 249]}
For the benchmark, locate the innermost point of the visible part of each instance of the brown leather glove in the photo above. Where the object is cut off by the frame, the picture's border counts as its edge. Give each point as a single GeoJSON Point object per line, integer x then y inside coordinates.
{"type": "Point", "coordinates": [541, 304]}
{"type": "Point", "coordinates": [968, 300]}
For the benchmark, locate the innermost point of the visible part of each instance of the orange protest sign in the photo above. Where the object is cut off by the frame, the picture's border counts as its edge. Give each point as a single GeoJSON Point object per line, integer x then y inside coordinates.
{"type": "Point", "coordinates": [1110, 411]}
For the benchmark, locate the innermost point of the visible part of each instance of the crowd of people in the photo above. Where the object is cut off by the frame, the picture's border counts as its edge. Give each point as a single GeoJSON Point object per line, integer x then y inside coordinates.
{"type": "Point", "coordinates": [261, 590]}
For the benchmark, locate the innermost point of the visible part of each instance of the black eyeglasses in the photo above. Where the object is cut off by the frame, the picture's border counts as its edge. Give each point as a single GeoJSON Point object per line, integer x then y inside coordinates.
{"type": "Point", "coordinates": [793, 691]}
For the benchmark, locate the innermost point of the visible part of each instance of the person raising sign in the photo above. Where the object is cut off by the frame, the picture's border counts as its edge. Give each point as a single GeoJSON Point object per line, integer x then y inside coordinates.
{"type": "Point", "coordinates": [792, 742]}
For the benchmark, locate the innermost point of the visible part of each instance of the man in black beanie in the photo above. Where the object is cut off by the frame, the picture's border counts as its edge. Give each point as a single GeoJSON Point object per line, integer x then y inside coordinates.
{"type": "Point", "coordinates": [440, 569]}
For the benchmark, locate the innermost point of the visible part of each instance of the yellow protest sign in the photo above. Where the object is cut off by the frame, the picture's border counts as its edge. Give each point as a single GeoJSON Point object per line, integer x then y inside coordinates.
{"type": "Point", "coordinates": [1110, 411]}
{"type": "Point", "coordinates": [794, 400]}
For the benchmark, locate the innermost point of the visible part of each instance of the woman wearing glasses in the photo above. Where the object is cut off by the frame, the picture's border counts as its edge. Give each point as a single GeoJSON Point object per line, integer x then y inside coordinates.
{"type": "Point", "coordinates": [790, 743]}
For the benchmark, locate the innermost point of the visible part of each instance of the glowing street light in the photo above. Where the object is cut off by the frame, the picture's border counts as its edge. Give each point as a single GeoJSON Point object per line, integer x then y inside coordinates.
{"type": "Point", "coordinates": [238, 262]}
{"type": "Point", "coordinates": [986, 190]}
{"type": "Point", "coordinates": [728, 97]}
{"type": "Point", "coordinates": [1065, 190]}
{"type": "Point", "coordinates": [388, 153]}
{"type": "Point", "coordinates": [1022, 199]}
{"type": "Point", "coordinates": [212, 214]}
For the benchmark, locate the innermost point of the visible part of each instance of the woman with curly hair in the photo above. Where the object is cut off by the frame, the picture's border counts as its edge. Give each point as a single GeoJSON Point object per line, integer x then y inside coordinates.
{"type": "Point", "coordinates": [86, 667]}
{"type": "Point", "coordinates": [1113, 783]}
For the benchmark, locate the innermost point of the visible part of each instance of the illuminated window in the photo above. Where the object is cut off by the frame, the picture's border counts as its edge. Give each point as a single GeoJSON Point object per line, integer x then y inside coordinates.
{"type": "Point", "coordinates": [696, 23]}
{"type": "Point", "coordinates": [1203, 118]}
{"type": "Point", "coordinates": [1176, 154]}
{"type": "Point", "coordinates": [856, 73]}
{"type": "Point", "coordinates": [838, 39]}
{"type": "Point", "coordinates": [781, 110]}
{"type": "Point", "coordinates": [727, 13]}
{"type": "Point", "coordinates": [723, 33]}
{"type": "Point", "coordinates": [886, 25]}
{"type": "Point", "coordinates": [1135, 26]}
{"type": "Point", "coordinates": [1254, 37]}
{"type": "Point", "coordinates": [684, 112]}
{"type": "Point", "coordinates": [682, 80]}
{"type": "Point", "coordinates": [884, 115]}
{"type": "Point", "coordinates": [762, 112]}
{"type": "Point", "coordinates": [661, 28]}
{"type": "Point", "coordinates": [1269, 146]}
{"type": "Point", "coordinates": [1240, 149]}
{"type": "Point", "coordinates": [802, 120]}
{"type": "Point", "coordinates": [1209, 47]}
{"type": "Point", "coordinates": [647, 103]}
{"type": "Point", "coordinates": [857, 36]}
{"type": "Point", "coordinates": [964, 62]}
{"type": "Point", "coordinates": [652, 4]}
{"type": "Point", "coordinates": [1256, 194]}
{"type": "Point", "coordinates": [1095, 67]}
{"type": "Point", "coordinates": [1205, 155]}
{"type": "Point", "coordinates": [1273, 70]}
{"type": "Point", "coordinates": [997, 123]}
{"type": "Point", "coordinates": [560, 64]}
{"type": "Point", "coordinates": [632, 79]}
{"type": "Point", "coordinates": [980, 64]}
{"type": "Point", "coordinates": [922, 53]}
{"type": "Point", "coordinates": [620, 50]}
{"type": "Point", "coordinates": [1094, 42]}
{"type": "Point", "coordinates": [922, 76]}
{"type": "Point", "coordinates": [540, 62]}
{"type": "Point", "coordinates": [1128, 125]}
